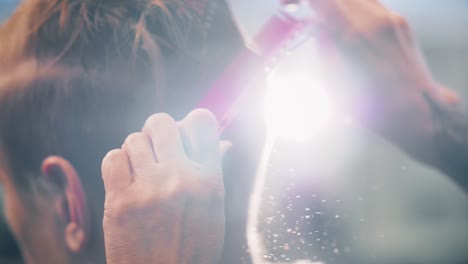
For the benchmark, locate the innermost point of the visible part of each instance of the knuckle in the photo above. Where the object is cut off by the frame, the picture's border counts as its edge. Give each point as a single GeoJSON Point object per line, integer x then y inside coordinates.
{"type": "Point", "coordinates": [203, 117]}
{"type": "Point", "coordinates": [113, 155]}
{"type": "Point", "coordinates": [176, 193]}
{"type": "Point", "coordinates": [172, 183]}
{"type": "Point", "coordinates": [400, 22]}
{"type": "Point", "coordinates": [134, 137]}
{"type": "Point", "coordinates": [391, 21]}
{"type": "Point", "coordinates": [116, 210]}
{"type": "Point", "coordinates": [160, 119]}
{"type": "Point", "coordinates": [202, 113]}
{"type": "Point", "coordinates": [209, 188]}
{"type": "Point", "coordinates": [111, 158]}
{"type": "Point", "coordinates": [384, 23]}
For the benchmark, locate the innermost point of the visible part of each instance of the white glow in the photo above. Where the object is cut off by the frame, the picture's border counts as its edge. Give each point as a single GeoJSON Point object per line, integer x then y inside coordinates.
{"type": "Point", "coordinates": [291, 8]}
{"type": "Point", "coordinates": [296, 106]}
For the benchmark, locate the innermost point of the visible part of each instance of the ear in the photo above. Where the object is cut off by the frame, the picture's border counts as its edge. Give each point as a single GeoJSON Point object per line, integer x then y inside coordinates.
{"type": "Point", "coordinates": [61, 173]}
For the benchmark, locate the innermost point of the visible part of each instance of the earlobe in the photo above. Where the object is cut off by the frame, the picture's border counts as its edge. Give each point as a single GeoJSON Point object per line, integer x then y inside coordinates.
{"type": "Point", "coordinates": [61, 173]}
{"type": "Point", "coordinates": [74, 236]}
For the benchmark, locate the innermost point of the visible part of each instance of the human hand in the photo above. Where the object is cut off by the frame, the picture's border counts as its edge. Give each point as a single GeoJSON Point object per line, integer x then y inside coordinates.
{"type": "Point", "coordinates": [164, 193]}
{"type": "Point", "coordinates": [389, 83]}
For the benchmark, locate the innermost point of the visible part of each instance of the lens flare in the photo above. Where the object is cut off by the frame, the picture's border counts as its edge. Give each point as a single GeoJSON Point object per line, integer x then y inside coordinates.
{"type": "Point", "coordinates": [296, 106]}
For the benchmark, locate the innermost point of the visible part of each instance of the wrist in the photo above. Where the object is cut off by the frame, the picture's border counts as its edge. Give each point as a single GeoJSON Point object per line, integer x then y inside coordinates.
{"type": "Point", "coordinates": [450, 139]}
{"type": "Point", "coordinates": [409, 122]}
{"type": "Point", "coordinates": [430, 126]}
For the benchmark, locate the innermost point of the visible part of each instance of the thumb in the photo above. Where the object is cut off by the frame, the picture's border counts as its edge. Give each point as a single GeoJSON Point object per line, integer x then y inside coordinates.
{"type": "Point", "coordinates": [224, 147]}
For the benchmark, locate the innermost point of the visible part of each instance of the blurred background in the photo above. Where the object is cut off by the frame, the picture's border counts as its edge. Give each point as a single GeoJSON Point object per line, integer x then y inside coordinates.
{"type": "Point", "coordinates": [375, 204]}
{"type": "Point", "coordinates": [370, 203]}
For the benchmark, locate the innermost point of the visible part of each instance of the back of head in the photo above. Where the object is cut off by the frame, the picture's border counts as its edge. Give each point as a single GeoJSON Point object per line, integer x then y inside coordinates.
{"type": "Point", "coordinates": [91, 33]}
{"type": "Point", "coordinates": [131, 48]}
{"type": "Point", "coordinates": [69, 112]}
{"type": "Point", "coordinates": [66, 64]}
{"type": "Point", "coordinates": [78, 76]}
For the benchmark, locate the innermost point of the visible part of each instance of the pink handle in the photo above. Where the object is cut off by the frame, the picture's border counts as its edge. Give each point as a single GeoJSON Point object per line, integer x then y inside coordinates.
{"type": "Point", "coordinates": [248, 65]}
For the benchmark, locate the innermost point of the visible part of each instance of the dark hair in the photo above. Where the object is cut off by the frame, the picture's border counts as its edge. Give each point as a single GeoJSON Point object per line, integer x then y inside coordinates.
{"type": "Point", "coordinates": [77, 76]}
{"type": "Point", "coordinates": [70, 112]}
{"type": "Point", "coordinates": [93, 32]}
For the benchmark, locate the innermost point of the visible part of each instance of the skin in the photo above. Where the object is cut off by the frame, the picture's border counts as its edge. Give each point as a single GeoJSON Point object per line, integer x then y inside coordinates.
{"type": "Point", "coordinates": [165, 194]}
{"type": "Point", "coordinates": [164, 200]}
{"type": "Point", "coordinates": [19, 207]}
{"type": "Point", "coordinates": [46, 215]}
{"type": "Point", "coordinates": [385, 82]}
{"type": "Point", "coordinates": [394, 84]}
{"type": "Point", "coordinates": [390, 97]}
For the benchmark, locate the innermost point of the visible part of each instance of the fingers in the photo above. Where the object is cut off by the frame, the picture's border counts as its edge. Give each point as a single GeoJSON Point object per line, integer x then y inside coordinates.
{"type": "Point", "coordinates": [330, 13]}
{"type": "Point", "coordinates": [201, 131]}
{"type": "Point", "coordinates": [345, 18]}
{"type": "Point", "coordinates": [140, 152]}
{"type": "Point", "coordinates": [116, 171]}
{"type": "Point", "coordinates": [161, 142]}
{"type": "Point", "coordinates": [165, 138]}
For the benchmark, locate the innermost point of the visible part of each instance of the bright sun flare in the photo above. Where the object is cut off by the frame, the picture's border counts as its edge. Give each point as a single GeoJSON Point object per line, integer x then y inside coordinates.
{"type": "Point", "coordinates": [296, 106]}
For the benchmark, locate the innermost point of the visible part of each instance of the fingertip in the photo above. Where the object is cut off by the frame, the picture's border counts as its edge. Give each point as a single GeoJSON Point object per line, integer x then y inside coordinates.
{"type": "Point", "coordinates": [164, 134]}
{"type": "Point", "coordinates": [204, 117]}
{"type": "Point", "coordinates": [157, 120]}
{"type": "Point", "coordinates": [110, 159]}
{"type": "Point", "coordinates": [116, 172]}
{"type": "Point", "coordinates": [202, 132]}
{"type": "Point", "coordinates": [224, 147]}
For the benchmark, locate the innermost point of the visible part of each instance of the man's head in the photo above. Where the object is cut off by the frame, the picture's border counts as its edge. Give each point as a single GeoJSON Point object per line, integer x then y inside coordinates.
{"type": "Point", "coordinates": [56, 125]}
{"type": "Point", "coordinates": [76, 77]}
